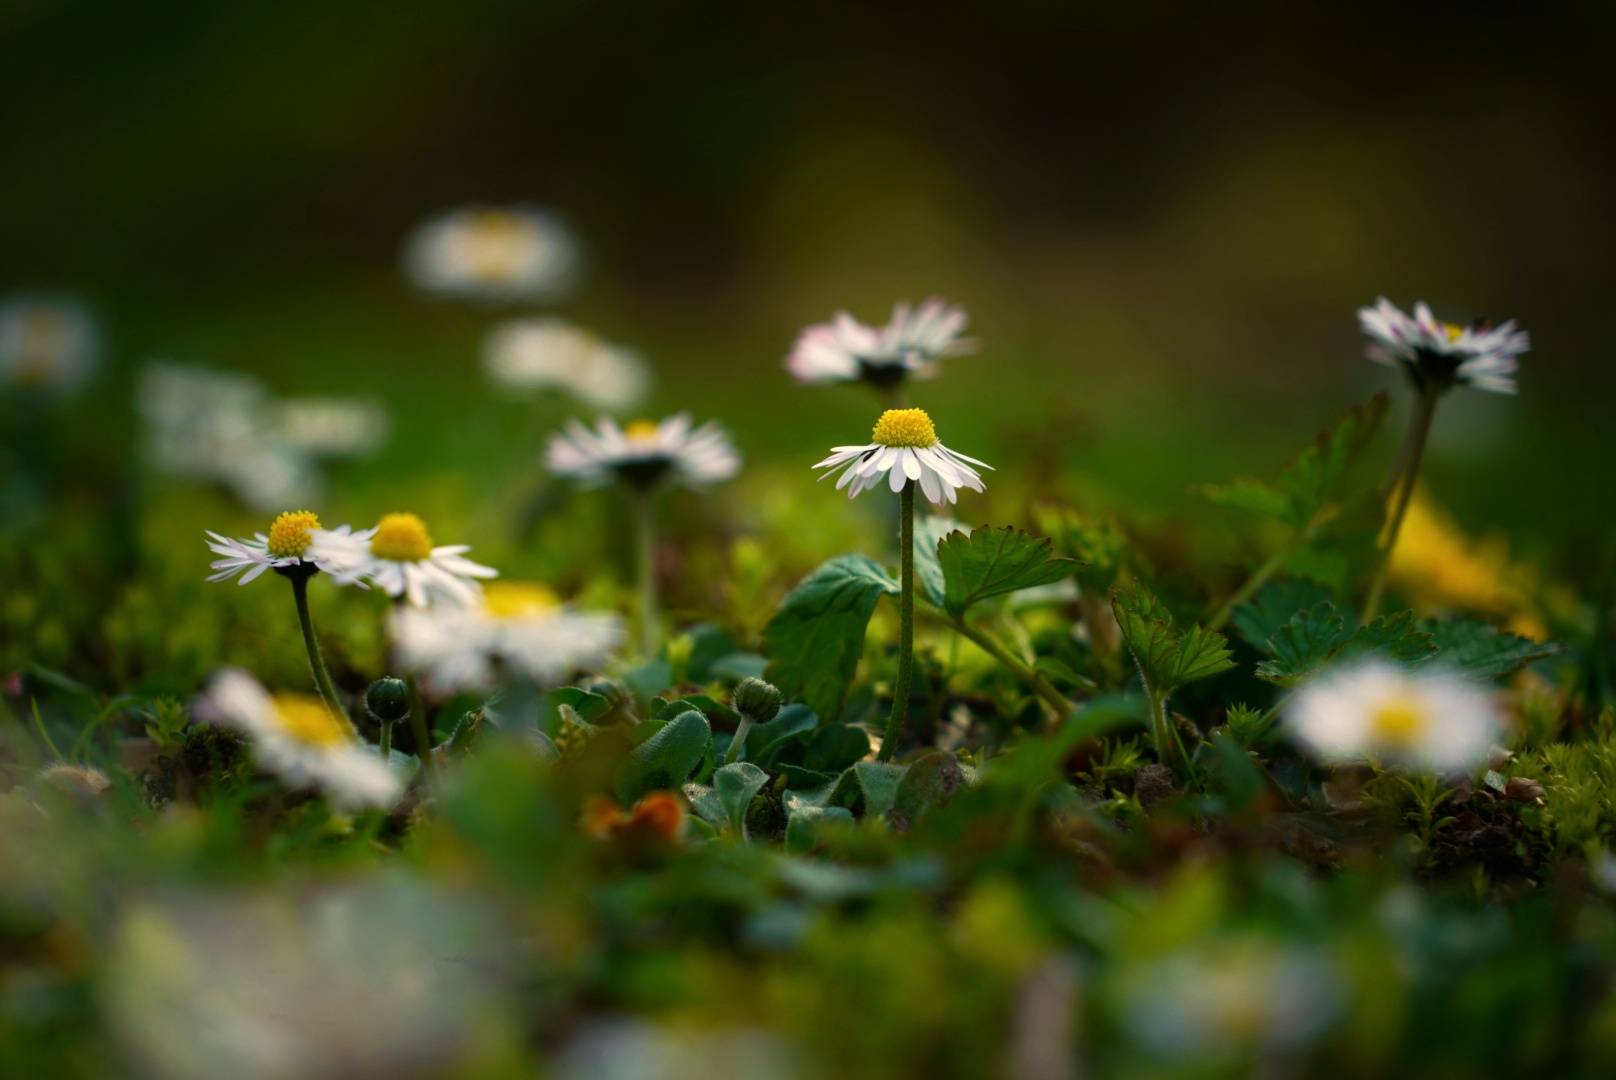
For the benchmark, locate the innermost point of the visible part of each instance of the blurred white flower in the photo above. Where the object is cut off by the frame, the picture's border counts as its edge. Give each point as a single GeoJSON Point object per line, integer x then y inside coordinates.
{"type": "Point", "coordinates": [525, 355]}
{"type": "Point", "coordinates": [1236, 995]}
{"type": "Point", "coordinates": [1436, 355]}
{"type": "Point", "coordinates": [379, 978]}
{"type": "Point", "coordinates": [518, 624]}
{"type": "Point", "coordinates": [907, 347]}
{"type": "Point", "coordinates": [398, 556]}
{"type": "Point", "coordinates": [299, 739]}
{"type": "Point", "coordinates": [47, 344]}
{"type": "Point", "coordinates": [498, 253]}
{"type": "Point", "coordinates": [644, 453]}
{"type": "Point", "coordinates": [332, 427]}
{"type": "Point", "coordinates": [1426, 720]}
{"type": "Point", "coordinates": [905, 448]}
{"type": "Point", "coordinates": [636, 1050]}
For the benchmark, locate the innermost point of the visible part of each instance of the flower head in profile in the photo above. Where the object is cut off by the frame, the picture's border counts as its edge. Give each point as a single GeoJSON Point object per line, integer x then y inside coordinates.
{"type": "Point", "coordinates": [520, 626]}
{"type": "Point", "coordinates": [288, 543]}
{"type": "Point", "coordinates": [1426, 721]}
{"type": "Point", "coordinates": [527, 355]}
{"type": "Point", "coordinates": [908, 346]}
{"type": "Point", "coordinates": [398, 557]}
{"type": "Point", "coordinates": [47, 344]}
{"type": "Point", "coordinates": [1436, 355]}
{"type": "Point", "coordinates": [496, 253]}
{"type": "Point", "coordinates": [904, 447]}
{"type": "Point", "coordinates": [644, 453]}
{"type": "Point", "coordinates": [297, 738]}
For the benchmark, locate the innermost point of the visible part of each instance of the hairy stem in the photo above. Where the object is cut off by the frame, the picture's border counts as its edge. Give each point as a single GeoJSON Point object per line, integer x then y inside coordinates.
{"type": "Point", "coordinates": [735, 744]}
{"type": "Point", "coordinates": [906, 631]}
{"type": "Point", "coordinates": [322, 677]}
{"type": "Point", "coordinates": [1401, 493]}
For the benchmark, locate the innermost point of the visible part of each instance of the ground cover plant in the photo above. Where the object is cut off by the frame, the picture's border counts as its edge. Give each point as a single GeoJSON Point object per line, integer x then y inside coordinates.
{"type": "Point", "coordinates": [960, 783]}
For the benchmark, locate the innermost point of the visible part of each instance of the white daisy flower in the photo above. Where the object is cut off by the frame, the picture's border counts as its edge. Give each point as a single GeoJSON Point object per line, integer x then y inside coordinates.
{"type": "Point", "coordinates": [519, 625]}
{"type": "Point", "coordinates": [525, 355]}
{"type": "Point", "coordinates": [398, 557]}
{"type": "Point", "coordinates": [296, 737]}
{"type": "Point", "coordinates": [495, 253]}
{"type": "Point", "coordinates": [1428, 720]}
{"type": "Point", "coordinates": [290, 536]}
{"type": "Point", "coordinates": [906, 448]}
{"type": "Point", "coordinates": [330, 427]}
{"type": "Point", "coordinates": [908, 346]}
{"type": "Point", "coordinates": [644, 453]}
{"type": "Point", "coordinates": [1436, 354]}
{"type": "Point", "coordinates": [47, 344]}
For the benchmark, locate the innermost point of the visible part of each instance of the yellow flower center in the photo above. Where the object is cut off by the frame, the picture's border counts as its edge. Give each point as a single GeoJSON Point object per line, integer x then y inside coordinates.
{"type": "Point", "coordinates": [905, 427]}
{"type": "Point", "coordinates": [401, 538]}
{"type": "Point", "coordinates": [1397, 722]}
{"type": "Point", "coordinates": [641, 429]}
{"type": "Point", "coordinates": [497, 243]}
{"type": "Point", "coordinates": [514, 599]}
{"type": "Point", "coordinates": [289, 536]}
{"type": "Point", "coordinates": [305, 718]}
{"type": "Point", "coordinates": [1453, 330]}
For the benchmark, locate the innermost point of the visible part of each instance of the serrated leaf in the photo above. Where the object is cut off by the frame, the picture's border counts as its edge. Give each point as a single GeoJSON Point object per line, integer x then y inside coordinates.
{"type": "Point", "coordinates": [1167, 658]}
{"type": "Point", "coordinates": [1304, 643]}
{"type": "Point", "coordinates": [1482, 651]}
{"type": "Point", "coordinates": [1392, 639]}
{"type": "Point", "coordinates": [1259, 618]}
{"type": "Point", "coordinates": [665, 760]}
{"type": "Point", "coordinates": [929, 532]}
{"type": "Point", "coordinates": [816, 638]}
{"type": "Point", "coordinates": [735, 785]}
{"type": "Point", "coordinates": [803, 827]}
{"type": "Point", "coordinates": [991, 562]}
{"type": "Point", "coordinates": [765, 741]}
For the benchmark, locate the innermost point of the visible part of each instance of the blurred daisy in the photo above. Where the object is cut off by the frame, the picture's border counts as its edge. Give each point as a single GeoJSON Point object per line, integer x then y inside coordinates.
{"type": "Point", "coordinates": [1427, 721]}
{"type": "Point", "coordinates": [1436, 355]}
{"type": "Point", "coordinates": [47, 344]}
{"type": "Point", "coordinates": [908, 346]}
{"type": "Point", "coordinates": [905, 447]}
{"type": "Point", "coordinates": [493, 253]}
{"type": "Point", "coordinates": [297, 738]}
{"type": "Point", "coordinates": [520, 626]}
{"type": "Point", "coordinates": [332, 427]}
{"type": "Point", "coordinates": [398, 557]}
{"type": "Point", "coordinates": [644, 453]}
{"type": "Point", "coordinates": [288, 542]}
{"type": "Point", "coordinates": [525, 355]}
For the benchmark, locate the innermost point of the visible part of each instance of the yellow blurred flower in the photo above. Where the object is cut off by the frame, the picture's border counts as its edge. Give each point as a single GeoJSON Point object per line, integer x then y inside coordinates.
{"type": "Point", "coordinates": [1440, 568]}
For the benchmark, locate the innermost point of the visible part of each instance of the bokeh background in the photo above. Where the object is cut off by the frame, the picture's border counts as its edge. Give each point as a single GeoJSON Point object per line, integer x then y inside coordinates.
{"type": "Point", "coordinates": [1161, 216]}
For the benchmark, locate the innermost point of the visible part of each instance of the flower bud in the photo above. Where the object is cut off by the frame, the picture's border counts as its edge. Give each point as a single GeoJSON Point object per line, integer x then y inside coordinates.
{"type": "Point", "coordinates": [388, 699]}
{"type": "Point", "coordinates": [757, 699]}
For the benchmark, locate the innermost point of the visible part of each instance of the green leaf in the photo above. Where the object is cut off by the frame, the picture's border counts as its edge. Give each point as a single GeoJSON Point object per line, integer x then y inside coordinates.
{"type": "Point", "coordinates": [1395, 638]}
{"type": "Point", "coordinates": [927, 784]}
{"type": "Point", "coordinates": [665, 760]}
{"type": "Point", "coordinates": [1319, 637]}
{"type": "Point", "coordinates": [929, 532]}
{"type": "Point", "coordinates": [816, 638]}
{"type": "Point", "coordinates": [705, 804]}
{"type": "Point", "coordinates": [991, 562]}
{"type": "Point", "coordinates": [1308, 639]}
{"type": "Point", "coordinates": [804, 826]}
{"type": "Point", "coordinates": [835, 747]}
{"type": "Point", "coordinates": [585, 706]}
{"type": "Point", "coordinates": [1259, 618]}
{"type": "Point", "coordinates": [879, 780]}
{"type": "Point", "coordinates": [801, 779]}
{"type": "Point", "coordinates": [1167, 658]}
{"type": "Point", "coordinates": [765, 741]}
{"type": "Point", "coordinates": [735, 785]}
{"type": "Point", "coordinates": [1482, 651]}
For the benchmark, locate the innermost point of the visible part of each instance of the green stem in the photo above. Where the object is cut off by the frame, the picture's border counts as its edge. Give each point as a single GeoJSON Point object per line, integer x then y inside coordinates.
{"type": "Point", "coordinates": [386, 743]}
{"type": "Point", "coordinates": [423, 737]}
{"type": "Point", "coordinates": [645, 556]}
{"type": "Point", "coordinates": [906, 630]}
{"type": "Point", "coordinates": [1258, 578]}
{"type": "Point", "coordinates": [1401, 493]}
{"type": "Point", "coordinates": [322, 677]}
{"type": "Point", "coordinates": [1027, 674]}
{"type": "Point", "coordinates": [1159, 728]}
{"type": "Point", "coordinates": [739, 740]}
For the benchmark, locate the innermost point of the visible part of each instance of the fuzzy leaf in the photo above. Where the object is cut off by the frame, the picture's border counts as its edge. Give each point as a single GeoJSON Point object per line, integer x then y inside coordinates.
{"type": "Point", "coordinates": [735, 785]}
{"type": "Point", "coordinates": [879, 780]}
{"type": "Point", "coordinates": [927, 784]}
{"type": "Point", "coordinates": [665, 760]}
{"type": "Point", "coordinates": [1167, 658]}
{"type": "Point", "coordinates": [705, 804]}
{"type": "Point", "coordinates": [1259, 618]}
{"type": "Point", "coordinates": [1482, 651]}
{"type": "Point", "coordinates": [814, 641]}
{"type": "Point", "coordinates": [991, 562]}
{"type": "Point", "coordinates": [765, 741]}
{"type": "Point", "coordinates": [802, 829]}
{"type": "Point", "coordinates": [586, 706]}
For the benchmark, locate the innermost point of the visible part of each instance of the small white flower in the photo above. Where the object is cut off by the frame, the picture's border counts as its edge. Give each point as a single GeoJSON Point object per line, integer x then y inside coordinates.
{"type": "Point", "coordinates": [644, 453]}
{"type": "Point", "coordinates": [290, 537]}
{"type": "Point", "coordinates": [498, 253]}
{"type": "Point", "coordinates": [1426, 720]}
{"type": "Point", "coordinates": [398, 557]}
{"type": "Point", "coordinates": [905, 448]}
{"type": "Point", "coordinates": [525, 355]}
{"type": "Point", "coordinates": [332, 427]}
{"type": "Point", "coordinates": [1436, 354]}
{"type": "Point", "coordinates": [908, 346]}
{"type": "Point", "coordinates": [520, 625]}
{"type": "Point", "coordinates": [296, 737]}
{"type": "Point", "coordinates": [48, 344]}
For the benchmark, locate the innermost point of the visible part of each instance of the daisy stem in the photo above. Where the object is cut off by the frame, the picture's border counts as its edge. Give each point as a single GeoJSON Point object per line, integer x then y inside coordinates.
{"type": "Point", "coordinates": [418, 728]}
{"type": "Point", "coordinates": [742, 729]}
{"type": "Point", "coordinates": [386, 741]}
{"type": "Point", "coordinates": [322, 677]}
{"type": "Point", "coordinates": [645, 555]}
{"type": "Point", "coordinates": [906, 623]}
{"type": "Point", "coordinates": [1018, 667]}
{"type": "Point", "coordinates": [1400, 494]}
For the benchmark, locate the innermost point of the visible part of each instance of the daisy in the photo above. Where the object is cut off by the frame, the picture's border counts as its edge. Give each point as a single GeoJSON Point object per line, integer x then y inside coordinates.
{"type": "Point", "coordinates": [287, 545]}
{"type": "Point", "coordinates": [520, 625]}
{"type": "Point", "coordinates": [298, 738]}
{"type": "Point", "coordinates": [493, 253]}
{"type": "Point", "coordinates": [905, 447]}
{"type": "Point", "coordinates": [525, 355]}
{"type": "Point", "coordinates": [1436, 355]}
{"type": "Point", "coordinates": [48, 344]}
{"type": "Point", "coordinates": [330, 427]}
{"type": "Point", "coordinates": [1426, 721]}
{"type": "Point", "coordinates": [397, 555]}
{"type": "Point", "coordinates": [644, 453]}
{"type": "Point", "coordinates": [908, 346]}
